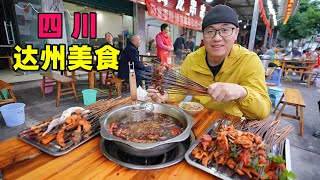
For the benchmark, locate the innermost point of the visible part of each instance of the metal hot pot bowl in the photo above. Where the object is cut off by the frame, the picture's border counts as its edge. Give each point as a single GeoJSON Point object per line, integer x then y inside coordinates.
{"type": "Point", "coordinates": [147, 149]}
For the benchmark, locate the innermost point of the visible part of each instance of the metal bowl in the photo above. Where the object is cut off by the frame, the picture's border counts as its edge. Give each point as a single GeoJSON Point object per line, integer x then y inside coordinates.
{"type": "Point", "coordinates": [146, 149]}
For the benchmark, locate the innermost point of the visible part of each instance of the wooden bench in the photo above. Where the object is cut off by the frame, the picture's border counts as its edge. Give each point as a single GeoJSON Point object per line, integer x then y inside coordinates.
{"type": "Point", "coordinates": [8, 87]}
{"type": "Point", "coordinates": [292, 97]}
{"type": "Point", "coordinates": [60, 79]}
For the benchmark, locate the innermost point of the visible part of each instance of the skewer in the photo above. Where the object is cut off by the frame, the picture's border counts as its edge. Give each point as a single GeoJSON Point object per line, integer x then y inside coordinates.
{"type": "Point", "coordinates": [173, 82]}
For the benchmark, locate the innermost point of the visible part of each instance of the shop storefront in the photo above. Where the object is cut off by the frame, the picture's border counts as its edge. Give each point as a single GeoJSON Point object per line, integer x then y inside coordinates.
{"type": "Point", "coordinates": [114, 16]}
{"type": "Point", "coordinates": [183, 17]}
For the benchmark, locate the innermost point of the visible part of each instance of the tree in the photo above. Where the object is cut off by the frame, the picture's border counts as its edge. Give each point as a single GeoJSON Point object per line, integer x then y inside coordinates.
{"type": "Point", "coordinates": [305, 22]}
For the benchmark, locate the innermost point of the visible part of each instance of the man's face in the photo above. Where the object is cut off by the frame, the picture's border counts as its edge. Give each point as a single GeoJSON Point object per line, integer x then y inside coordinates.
{"type": "Point", "coordinates": [137, 41]}
{"type": "Point", "coordinates": [167, 30]}
{"type": "Point", "coordinates": [216, 45]}
{"type": "Point", "coordinates": [318, 52]}
{"type": "Point", "coordinates": [278, 49]}
{"type": "Point", "coordinates": [190, 39]}
{"type": "Point", "coordinates": [109, 38]}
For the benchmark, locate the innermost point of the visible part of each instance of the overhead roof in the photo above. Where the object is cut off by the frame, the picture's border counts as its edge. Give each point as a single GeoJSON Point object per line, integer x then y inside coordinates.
{"type": "Point", "coordinates": [244, 8]}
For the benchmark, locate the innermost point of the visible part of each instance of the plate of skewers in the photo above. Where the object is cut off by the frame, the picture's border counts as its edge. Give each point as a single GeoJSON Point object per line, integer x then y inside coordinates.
{"type": "Point", "coordinates": [74, 127]}
{"type": "Point", "coordinates": [243, 150]}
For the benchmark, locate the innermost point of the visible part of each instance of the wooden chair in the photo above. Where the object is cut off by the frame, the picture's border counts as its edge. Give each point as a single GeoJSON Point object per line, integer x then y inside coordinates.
{"type": "Point", "coordinates": [292, 97]}
{"type": "Point", "coordinates": [60, 79]}
{"type": "Point", "coordinates": [5, 86]}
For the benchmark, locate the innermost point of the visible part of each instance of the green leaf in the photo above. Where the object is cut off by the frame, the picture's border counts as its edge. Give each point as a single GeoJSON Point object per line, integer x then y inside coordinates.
{"type": "Point", "coordinates": [277, 159]}
{"type": "Point", "coordinates": [287, 175]}
{"type": "Point", "coordinates": [255, 166]}
{"type": "Point", "coordinates": [265, 175]}
{"type": "Point", "coordinates": [233, 155]}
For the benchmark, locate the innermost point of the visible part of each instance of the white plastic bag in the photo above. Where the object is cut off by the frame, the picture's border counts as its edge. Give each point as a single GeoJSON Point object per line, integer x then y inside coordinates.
{"type": "Point", "coordinates": [142, 94]}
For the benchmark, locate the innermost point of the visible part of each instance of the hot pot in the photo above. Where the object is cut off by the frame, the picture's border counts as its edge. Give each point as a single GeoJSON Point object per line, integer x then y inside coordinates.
{"type": "Point", "coordinates": [146, 149]}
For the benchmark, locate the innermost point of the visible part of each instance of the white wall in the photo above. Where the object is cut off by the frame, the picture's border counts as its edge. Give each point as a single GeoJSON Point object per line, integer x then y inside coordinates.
{"type": "Point", "coordinates": [156, 24]}
{"type": "Point", "coordinates": [106, 21]}
{"type": "Point", "coordinates": [199, 37]}
{"type": "Point", "coordinates": [111, 22]}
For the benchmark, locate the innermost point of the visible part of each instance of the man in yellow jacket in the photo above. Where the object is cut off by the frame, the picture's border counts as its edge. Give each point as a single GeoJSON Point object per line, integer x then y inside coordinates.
{"type": "Point", "coordinates": [234, 76]}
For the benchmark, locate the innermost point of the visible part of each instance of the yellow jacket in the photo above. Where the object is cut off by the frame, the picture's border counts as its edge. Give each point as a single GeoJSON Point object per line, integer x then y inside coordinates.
{"type": "Point", "coordinates": [240, 67]}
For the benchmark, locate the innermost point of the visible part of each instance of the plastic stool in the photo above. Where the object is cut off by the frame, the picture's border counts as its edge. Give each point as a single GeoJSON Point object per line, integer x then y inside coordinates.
{"type": "Point", "coordinates": [275, 76]}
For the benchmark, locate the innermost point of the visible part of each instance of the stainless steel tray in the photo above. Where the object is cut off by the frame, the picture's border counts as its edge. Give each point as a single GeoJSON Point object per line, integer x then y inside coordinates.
{"type": "Point", "coordinates": [53, 148]}
{"type": "Point", "coordinates": [225, 172]}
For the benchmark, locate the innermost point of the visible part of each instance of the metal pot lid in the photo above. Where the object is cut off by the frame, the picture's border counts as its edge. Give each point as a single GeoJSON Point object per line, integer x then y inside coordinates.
{"type": "Point", "coordinates": [113, 153]}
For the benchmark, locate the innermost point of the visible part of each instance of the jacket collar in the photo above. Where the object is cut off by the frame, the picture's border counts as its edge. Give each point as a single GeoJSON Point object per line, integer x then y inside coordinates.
{"type": "Point", "coordinates": [163, 34]}
{"type": "Point", "coordinates": [203, 68]}
{"type": "Point", "coordinates": [130, 44]}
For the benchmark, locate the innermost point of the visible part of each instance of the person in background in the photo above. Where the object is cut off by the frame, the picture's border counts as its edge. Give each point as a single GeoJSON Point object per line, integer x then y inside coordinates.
{"type": "Point", "coordinates": [317, 58]}
{"type": "Point", "coordinates": [109, 38]}
{"type": "Point", "coordinates": [179, 45]}
{"type": "Point", "coordinates": [164, 45]}
{"type": "Point", "coordinates": [150, 44]}
{"type": "Point", "coordinates": [304, 55]}
{"type": "Point", "coordinates": [131, 54]}
{"type": "Point", "coordinates": [202, 43]}
{"type": "Point", "coordinates": [190, 44]}
{"type": "Point", "coordinates": [295, 53]}
{"type": "Point", "coordinates": [259, 51]}
{"type": "Point", "coordinates": [235, 77]}
{"type": "Point", "coordinates": [275, 55]}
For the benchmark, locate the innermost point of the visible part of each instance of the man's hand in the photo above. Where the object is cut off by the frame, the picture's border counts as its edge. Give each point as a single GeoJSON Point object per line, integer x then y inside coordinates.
{"type": "Point", "coordinates": [225, 92]}
{"type": "Point", "coordinates": [156, 96]}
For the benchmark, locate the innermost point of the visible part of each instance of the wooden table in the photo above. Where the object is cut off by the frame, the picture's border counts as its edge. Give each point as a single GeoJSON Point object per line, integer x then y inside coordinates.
{"type": "Point", "coordinates": [19, 160]}
{"type": "Point", "coordinates": [306, 68]}
{"type": "Point", "coordinates": [146, 56]}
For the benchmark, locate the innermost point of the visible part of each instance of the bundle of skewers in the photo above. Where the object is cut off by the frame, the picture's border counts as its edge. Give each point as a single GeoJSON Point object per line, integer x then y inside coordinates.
{"type": "Point", "coordinates": [163, 78]}
{"type": "Point", "coordinates": [247, 148]}
{"type": "Point", "coordinates": [74, 125]}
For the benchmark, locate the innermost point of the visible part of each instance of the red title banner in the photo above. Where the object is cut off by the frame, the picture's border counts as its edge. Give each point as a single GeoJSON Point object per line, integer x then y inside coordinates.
{"type": "Point", "coordinates": [185, 13]}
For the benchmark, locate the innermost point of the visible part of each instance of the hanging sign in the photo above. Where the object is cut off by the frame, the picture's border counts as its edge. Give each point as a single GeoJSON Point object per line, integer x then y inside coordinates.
{"type": "Point", "coordinates": [288, 11]}
{"type": "Point", "coordinates": [264, 17]}
{"type": "Point", "coordinates": [185, 13]}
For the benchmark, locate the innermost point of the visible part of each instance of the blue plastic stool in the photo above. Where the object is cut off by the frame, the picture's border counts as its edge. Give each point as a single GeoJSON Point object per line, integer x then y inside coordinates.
{"type": "Point", "coordinates": [275, 94]}
{"type": "Point", "coordinates": [275, 77]}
